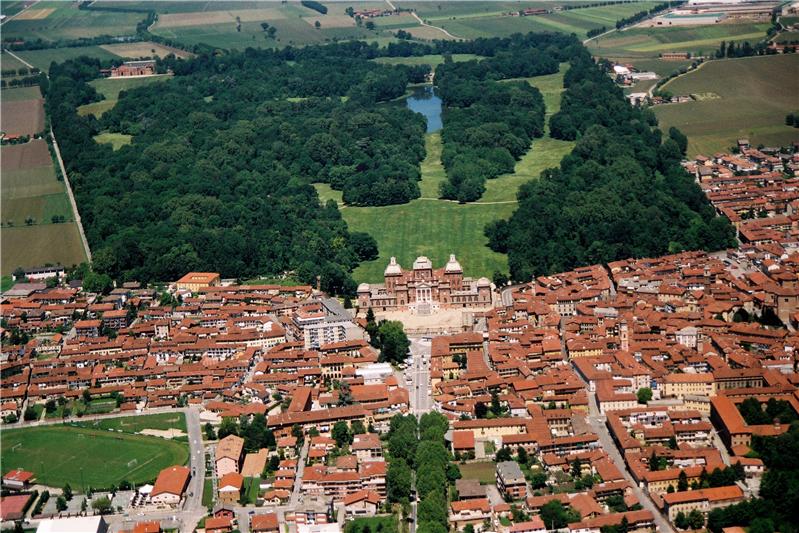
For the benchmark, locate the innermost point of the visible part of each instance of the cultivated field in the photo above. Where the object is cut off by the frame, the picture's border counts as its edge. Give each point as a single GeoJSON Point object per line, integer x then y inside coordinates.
{"type": "Point", "coordinates": [436, 228]}
{"type": "Point", "coordinates": [51, 21]}
{"type": "Point", "coordinates": [43, 58]}
{"type": "Point", "coordinates": [755, 94]}
{"type": "Point", "coordinates": [650, 42]}
{"type": "Point", "coordinates": [30, 246]}
{"type": "Point", "coordinates": [86, 457]}
{"type": "Point", "coordinates": [21, 116]}
{"type": "Point", "coordinates": [145, 49]}
{"type": "Point", "coordinates": [30, 190]}
{"type": "Point", "coordinates": [9, 62]}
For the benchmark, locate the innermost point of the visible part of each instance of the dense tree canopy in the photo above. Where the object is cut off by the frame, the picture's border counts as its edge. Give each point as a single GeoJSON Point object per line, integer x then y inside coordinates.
{"type": "Point", "coordinates": [218, 174]}
{"type": "Point", "coordinates": [488, 124]}
{"type": "Point", "coordinates": [620, 193]}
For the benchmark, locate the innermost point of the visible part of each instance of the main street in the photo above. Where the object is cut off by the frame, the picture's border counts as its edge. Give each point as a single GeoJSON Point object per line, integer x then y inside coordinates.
{"type": "Point", "coordinates": [420, 376]}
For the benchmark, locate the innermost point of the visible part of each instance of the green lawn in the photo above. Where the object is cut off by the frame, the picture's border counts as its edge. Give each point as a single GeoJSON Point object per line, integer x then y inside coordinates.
{"type": "Point", "coordinates": [78, 456]}
{"type": "Point", "coordinates": [208, 492]}
{"type": "Point", "coordinates": [134, 424]}
{"type": "Point", "coordinates": [755, 95]}
{"type": "Point", "coordinates": [7, 283]}
{"type": "Point", "coordinates": [484, 472]}
{"type": "Point", "coordinates": [383, 524]}
{"type": "Point", "coordinates": [436, 228]}
{"type": "Point", "coordinates": [20, 93]}
{"type": "Point", "coordinates": [251, 489]}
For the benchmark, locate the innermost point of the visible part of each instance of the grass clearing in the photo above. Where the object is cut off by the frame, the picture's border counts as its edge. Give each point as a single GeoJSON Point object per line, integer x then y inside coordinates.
{"type": "Point", "coordinates": [110, 89]}
{"type": "Point", "coordinates": [10, 62]}
{"type": "Point", "coordinates": [432, 60]}
{"type": "Point", "coordinates": [116, 140]}
{"type": "Point", "coordinates": [484, 471]}
{"type": "Point", "coordinates": [62, 454]}
{"type": "Point", "coordinates": [754, 95]}
{"type": "Point", "coordinates": [208, 492]}
{"type": "Point", "coordinates": [436, 228]}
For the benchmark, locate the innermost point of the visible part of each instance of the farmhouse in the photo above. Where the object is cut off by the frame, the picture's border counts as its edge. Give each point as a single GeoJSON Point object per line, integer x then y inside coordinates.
{"type": "Point", "coordinates": [194, 281]}
{"type": "Point", "coordinates": [134, 68]}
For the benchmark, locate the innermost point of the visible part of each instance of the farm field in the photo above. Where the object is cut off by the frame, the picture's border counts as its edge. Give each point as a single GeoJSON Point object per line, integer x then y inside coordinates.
{"type": "Point", "coordinates": [494, 23]}
{"type": "Point", "coordinates": [64, 454]}
{"type": "Point", "coordinates": [436, 228]}
{"type": "Point", "coordinates": [10, 62]}
{"type": "Point", "coordinates": [650, 42]}
{"type": "Point", "coordinates": [294, 24]}
{"type": "Point", "coordinates": [43, 58]}
{"type": "Point", "coordinates": [30, 190]}
{"type": "Point", "coordinates": [135, 424]}
{"type": "Point", "coordinates": [52, 21]}
{"type": "Point", "coordinates": [21, 116]}
{"type": "Point", "coordinates": [755, 93]}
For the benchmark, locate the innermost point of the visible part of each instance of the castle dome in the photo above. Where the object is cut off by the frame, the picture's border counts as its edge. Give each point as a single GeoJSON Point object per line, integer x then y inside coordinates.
{"type": "Point", "coordinates": [363, 287]}
{"type": "Point", "coordinates": [422, 263]}
{"type": "Point", "coordinates": [452, 265]}
{"type": "Point", "coordinates": [483, 282]}
{"type": "Point", "coordinates": [393, 268]}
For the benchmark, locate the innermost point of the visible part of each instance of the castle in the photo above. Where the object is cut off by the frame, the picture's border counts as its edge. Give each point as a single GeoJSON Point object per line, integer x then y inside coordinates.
{"type": "Point", "coordinates": [424, 290]}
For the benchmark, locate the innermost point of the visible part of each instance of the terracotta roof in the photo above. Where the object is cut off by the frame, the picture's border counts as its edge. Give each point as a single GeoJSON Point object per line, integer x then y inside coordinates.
{"type": "Point", "coordinates": [171, 480]}
{"type": "Point", "coordinates": [264, 522]}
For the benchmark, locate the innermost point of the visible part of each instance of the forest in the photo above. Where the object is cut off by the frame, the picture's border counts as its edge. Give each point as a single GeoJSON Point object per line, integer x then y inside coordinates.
{"type": "Point", "coordinates": [620, 193]}
{"type": "Point", "coordinates": [488, 124]}
{"type": "Point", "coordinates": [218, 174]}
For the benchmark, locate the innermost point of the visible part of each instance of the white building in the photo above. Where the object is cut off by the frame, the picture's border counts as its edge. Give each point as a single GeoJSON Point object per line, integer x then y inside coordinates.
{"type": "Point", "coordinates": [80, 524]}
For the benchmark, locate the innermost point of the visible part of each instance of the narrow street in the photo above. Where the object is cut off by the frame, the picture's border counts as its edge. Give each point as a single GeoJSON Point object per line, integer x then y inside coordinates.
{"type": "Point", "coordinates": [597, 422]}
{"type": "Point", "coordinates": [420, 376]}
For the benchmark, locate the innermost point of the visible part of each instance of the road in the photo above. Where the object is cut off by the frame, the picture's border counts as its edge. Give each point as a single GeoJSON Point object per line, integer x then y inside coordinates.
{"type": "Point", "coordinates": [423, 23]}
{"type": "Point", "coordinates": [295, 494]}
{"type": "Point", "coordinates": [15, 56]}
{"type": "Point", "coordinates": [420, 396]}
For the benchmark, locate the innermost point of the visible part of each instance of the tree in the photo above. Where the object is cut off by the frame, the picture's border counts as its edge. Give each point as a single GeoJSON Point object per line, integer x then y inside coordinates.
{"type": "Point", "coordinates": [680, 521]}
{"type": "Point", "coordinates": [555, 515]}
{"type": "Point", "coordinates": [50, 406]}
{"type": "Point", "coordinates": [496, 407]}
{"type": "Point", "coordinates": [394, 343]}
{"type": "Point", "coordinates": [341, 433]}
{"type": "Point", "coordinates": [61, 504]}
{"type": "Point", "coordinates": [67, 492]}
{"type": "Point", "coordinates": [644, 395]}
{"type": "Point", "coordinates": [102, 505]}
{"type": "Point", "coordinates": [654, 462]}
{"type": "Point", "coordinates": [682, 481]}
{"type": "Point", "coordinates": [87, 397]}
{"type": "Point", "coordinates": [317, 24]}
{"type": "Point", "coordinates": [99, 283]}
{"type": "Point", "coordinates": [398, 481]}
{"type": "Point", "coordinates": [210, 434]}
{"type": "Point", "coordinates": [29, 414]}
{"type": "Point", "coordinates": [480, 410]}
{"type": "Point", "coordinates": [370, 25]}
{"type": "Point", "coordinates": [521, 455]}
{"type": "Point", "coordinates": [228, 426]}
{"type": "Point", "coordinates": [696, 519]}
{"type": "Point", "coordinates": [503, 454]}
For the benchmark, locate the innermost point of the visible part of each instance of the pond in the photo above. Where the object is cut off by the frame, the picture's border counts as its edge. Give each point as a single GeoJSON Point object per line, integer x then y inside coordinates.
{"type": "Point", "coordinates": [424, 101]}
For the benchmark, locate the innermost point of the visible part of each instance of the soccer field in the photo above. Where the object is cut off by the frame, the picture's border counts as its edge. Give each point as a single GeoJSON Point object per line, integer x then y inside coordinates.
{"type": "Point", "coordinates": [85, 457]}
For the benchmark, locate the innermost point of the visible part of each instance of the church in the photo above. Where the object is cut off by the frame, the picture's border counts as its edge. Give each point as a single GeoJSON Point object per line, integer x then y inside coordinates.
{"type": "Point", "coordinates": [423, 289]}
